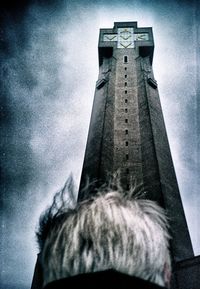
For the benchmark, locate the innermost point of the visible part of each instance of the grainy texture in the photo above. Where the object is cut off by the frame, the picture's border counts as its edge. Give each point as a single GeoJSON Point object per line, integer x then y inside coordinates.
{"type": "Point", "coordinates": [127, 132]}
{"type": "Point", "coordinates": [129, 137]}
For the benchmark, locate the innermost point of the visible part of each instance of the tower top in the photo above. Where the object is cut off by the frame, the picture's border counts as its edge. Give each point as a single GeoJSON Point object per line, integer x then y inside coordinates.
{"type": "Point", "coordinates": [126, 35]}
{"type": "Point", "coordinates": [125, 24]}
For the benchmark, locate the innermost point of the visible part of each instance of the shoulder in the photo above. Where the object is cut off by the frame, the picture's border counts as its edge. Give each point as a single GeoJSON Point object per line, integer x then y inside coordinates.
{"type": "Point", "coordinates": [106, 279]}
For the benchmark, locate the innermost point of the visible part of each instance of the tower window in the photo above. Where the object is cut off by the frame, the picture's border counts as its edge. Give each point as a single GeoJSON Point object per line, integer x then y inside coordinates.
{"type": "Point", "coordinates": [125, 84]}
{"type": "Point", "coordinates": [125, 68]}
{"type": "Point", "coordinates": [126, 131]}
{"type": "Point", "coordinates": [126, 120]}
{"type": "Point", "coordinates": [125, 75]}
{"type": "Point", "coordinates": [126, 143]}
{"type": "Point", "coordinates": [127, 171]}
{"type": "Point", "coordinates": [126, 110]}
{"type": "Point", "coordinates": [128, 187]}
{"type": "Point", "coordinates": [125, 59]}
{"type": "Point", "coordinates": [126, 100]}
{"type": "Point", "coordinates": [127, 156]}
{"type": "Point", "coordinates": [125, 91]}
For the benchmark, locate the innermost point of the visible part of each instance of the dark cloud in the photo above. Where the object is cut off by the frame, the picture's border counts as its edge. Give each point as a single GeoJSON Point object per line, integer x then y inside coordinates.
{"type": "Point", "coordinates": [48, 72]}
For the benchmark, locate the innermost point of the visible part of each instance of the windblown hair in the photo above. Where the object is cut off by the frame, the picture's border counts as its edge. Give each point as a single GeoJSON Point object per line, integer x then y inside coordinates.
{"type": "Point", "coordinates": [108, 231]}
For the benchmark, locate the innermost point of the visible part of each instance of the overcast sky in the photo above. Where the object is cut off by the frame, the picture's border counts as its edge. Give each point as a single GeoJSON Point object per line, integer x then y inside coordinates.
{"type": "Point", "coordinates": [49, 69]}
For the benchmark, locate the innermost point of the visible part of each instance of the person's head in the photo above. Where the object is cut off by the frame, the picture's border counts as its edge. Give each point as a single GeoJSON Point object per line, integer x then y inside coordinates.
{"type": "Point", "coordinates": [107, 231]}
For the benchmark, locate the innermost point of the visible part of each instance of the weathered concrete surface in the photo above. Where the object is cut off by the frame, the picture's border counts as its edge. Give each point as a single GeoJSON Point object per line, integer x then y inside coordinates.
{"type": "Point", "coordinates": [127, 134]}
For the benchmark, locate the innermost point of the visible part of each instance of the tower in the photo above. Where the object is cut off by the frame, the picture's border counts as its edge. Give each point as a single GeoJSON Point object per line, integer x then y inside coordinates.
{"type": "Point", "coordinates": [127, 131]}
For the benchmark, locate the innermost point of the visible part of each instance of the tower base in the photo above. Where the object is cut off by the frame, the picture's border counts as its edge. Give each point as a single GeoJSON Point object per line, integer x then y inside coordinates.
{"type": "Point", "coordinates": [187, 274]}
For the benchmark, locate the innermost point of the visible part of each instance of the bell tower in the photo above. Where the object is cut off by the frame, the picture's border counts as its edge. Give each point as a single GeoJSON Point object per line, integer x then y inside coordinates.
{"type": "Point", "coordinates": [127, 134]}
{"type": "Point", "coordinates": [127, 131]}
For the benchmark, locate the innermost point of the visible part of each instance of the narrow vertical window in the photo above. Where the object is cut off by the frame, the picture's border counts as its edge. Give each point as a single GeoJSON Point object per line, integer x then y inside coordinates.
{"type": "Point", "coordinates": [126, 131]}
{"type": "Point", "coordinates": [128, 187]}
{"type": "Point", "coordinates": [125, 68]}
{"type": "Point", "coordinates": [125, 59]}
{"type": "Point", "coordinates": [127, 157]}
{"type": "Point", "coordinates": [126, 143]}
{"type": "Point", "coordinates": [126, 100]}
{"type": "Point", "coordinates": [125, 75]}
{"type": "Point", "coordinates": [126, 120]}
{"type": "Point", "coordinates": [125, 91]}
{"type": "Point", "coordinates": [126, 110]}
{"type": "Point", "coordinates": [125, 84]}
{"type": "Point", "coordinates": [127, 171]}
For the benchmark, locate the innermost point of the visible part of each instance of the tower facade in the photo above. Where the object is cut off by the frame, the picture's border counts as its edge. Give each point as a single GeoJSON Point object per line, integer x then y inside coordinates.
{"type": "Point", "coordinates": [127, 131]}
{"type": "Point", "coordinates": [127, 135]}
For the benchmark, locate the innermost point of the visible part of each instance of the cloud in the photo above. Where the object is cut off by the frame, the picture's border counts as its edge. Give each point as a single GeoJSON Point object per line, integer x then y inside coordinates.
{"type": "Point", "coordinates": [49, 70]}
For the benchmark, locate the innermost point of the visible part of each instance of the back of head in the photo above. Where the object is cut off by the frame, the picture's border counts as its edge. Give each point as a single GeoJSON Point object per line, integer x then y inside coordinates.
{"type": "Point", "coordinates": [109, 231]}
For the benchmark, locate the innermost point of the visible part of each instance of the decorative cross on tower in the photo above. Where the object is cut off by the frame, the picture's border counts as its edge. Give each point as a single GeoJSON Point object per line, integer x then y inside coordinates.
{"type": "Point", "coordinates": [125, 37]}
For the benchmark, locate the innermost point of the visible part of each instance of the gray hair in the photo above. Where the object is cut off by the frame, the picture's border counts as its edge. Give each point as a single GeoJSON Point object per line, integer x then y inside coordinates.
{"type": "Point", "coordinates": [108, 231]}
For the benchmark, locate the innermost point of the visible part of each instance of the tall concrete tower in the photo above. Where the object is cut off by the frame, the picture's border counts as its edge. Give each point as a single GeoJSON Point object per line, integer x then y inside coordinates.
{"type": "Point", "coordinates": [127, 131]}
{"type": "Point", "coordinates": [127, 134]}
